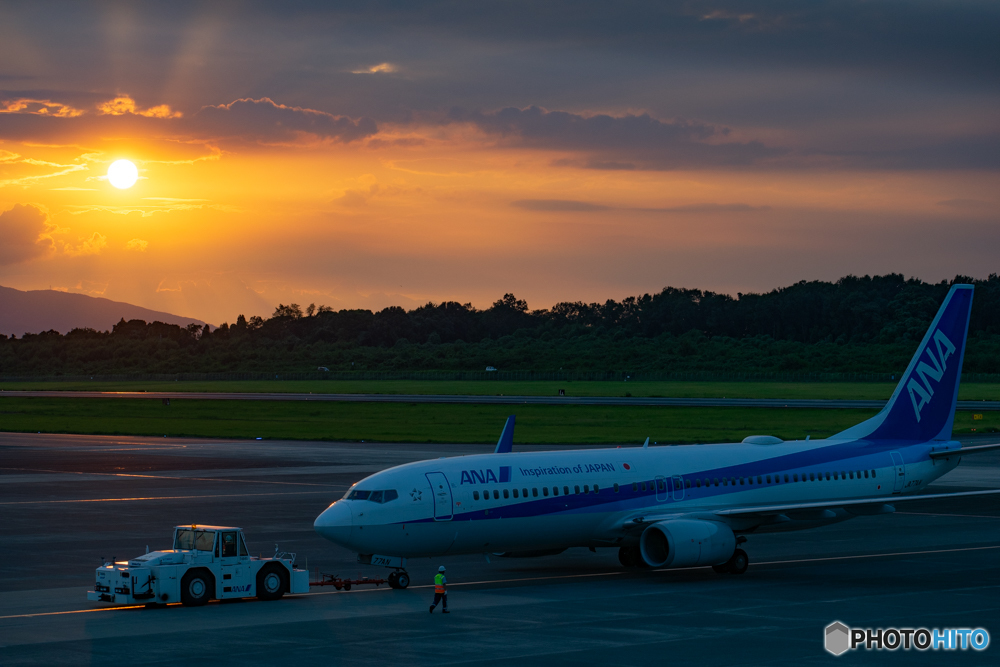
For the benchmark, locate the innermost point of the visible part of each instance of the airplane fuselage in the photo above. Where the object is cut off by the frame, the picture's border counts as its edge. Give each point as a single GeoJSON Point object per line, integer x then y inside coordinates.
{"type": "Point", "coordinates": [551, 500]}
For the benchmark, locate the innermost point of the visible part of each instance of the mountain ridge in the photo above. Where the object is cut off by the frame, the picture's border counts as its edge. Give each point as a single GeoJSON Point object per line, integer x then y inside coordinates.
{"type": "Point", "coordinates": [34, 311]}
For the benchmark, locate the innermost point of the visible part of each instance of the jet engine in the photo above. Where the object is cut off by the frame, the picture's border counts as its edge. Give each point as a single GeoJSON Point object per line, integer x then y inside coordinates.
{"type": "Point", "coordinates": [686, 543]}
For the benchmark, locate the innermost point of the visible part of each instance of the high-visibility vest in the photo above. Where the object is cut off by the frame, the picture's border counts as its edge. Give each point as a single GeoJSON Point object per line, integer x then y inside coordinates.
{"type": "Point", "coordinates": [439, 582]}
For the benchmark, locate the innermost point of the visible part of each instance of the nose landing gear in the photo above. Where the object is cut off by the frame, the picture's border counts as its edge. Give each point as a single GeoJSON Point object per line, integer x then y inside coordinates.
{"type": "Point", "coordinates": [399, 579]}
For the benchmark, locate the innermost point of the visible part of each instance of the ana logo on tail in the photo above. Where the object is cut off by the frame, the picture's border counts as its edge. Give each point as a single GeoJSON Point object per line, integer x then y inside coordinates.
{"type": "Point", "coordinates": [921, 391]}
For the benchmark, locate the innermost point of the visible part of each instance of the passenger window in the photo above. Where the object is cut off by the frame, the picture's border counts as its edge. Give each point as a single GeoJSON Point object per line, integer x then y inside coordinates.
{"type": "Point", "coordinates": [725, 481]}
{"type": "Point", "coordinates": [866, 474]}
{"type": "Point", "coordinates": [555, 490]}
{"type": "Point", "coordinates": [506, 494]}
{"type": "Point", "coordinates": [750, 480]}
{"type": "Point", "coordinates": [873, 473]}
{"type": "Point", "coordinates": [643, 486]}
{"type": "Point", "coordinates": [796, 477]}
{"type": "Point", "coordinates": [515, 493]}
{"type": "Point", "coordinates": [496, 495]}
{"type": "Point", "coordinates": [812, 477]}
{"type": "Point", "coordinates": [586, 488]}
{"type": "Point", "coordinates": [687, 484]}
{"type": "Point", "coordinates": [545, 491]}
{"type": "Point", "coordinates": [742, 481]}
{"type": "Point", "coordinates": [760, 480]}
{"type": "Point", "coordinates": [616, 487]}
{"type": "Point", "coordinates": [534, 493]}
{"type": "Point", "coordinates": [697, 483]}
{"type": "Point", "coordinates": [577, 489]}
{"type": "Point", "coordinates": [635, 487]}
{"type": "Point", "coordinates": [716, 479]}
{"type": "Point", "coordinates": [475, 495]}
{"type": "Point", "coordinates": [565, 490]}
{"type": "Point", "coordinates": [828, 476]}
{"type": "Point", "coordinates": [524, 492]}
{"type": "Point", "coordinates": [768, 479]}
{"type": "Point", "coordinates": [391, 494]}
{"type": "Point", "coordinates": [597, 489]}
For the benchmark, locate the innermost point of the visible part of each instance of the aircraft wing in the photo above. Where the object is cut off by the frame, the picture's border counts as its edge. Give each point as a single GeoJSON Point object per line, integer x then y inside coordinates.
{"type": "Point", "coordinates": [963, 451]}
{"type": "Point", "coordinates": [835, 504]}
{"type": "Point", "coordinates": [861, 506]}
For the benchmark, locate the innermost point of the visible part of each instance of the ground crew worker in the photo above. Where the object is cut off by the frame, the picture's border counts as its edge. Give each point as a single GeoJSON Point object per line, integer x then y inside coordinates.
{"type": "Point", "coordinates": [440, 591]}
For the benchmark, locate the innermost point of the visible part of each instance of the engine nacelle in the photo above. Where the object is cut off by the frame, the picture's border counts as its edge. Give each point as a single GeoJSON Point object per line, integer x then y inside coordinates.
{"type": "Point", "coordinates": [686, 543]}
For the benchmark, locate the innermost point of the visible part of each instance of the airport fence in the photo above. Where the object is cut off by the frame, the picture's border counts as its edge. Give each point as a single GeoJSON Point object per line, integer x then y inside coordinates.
{"type": "Point", "coordinates": [499, 376]}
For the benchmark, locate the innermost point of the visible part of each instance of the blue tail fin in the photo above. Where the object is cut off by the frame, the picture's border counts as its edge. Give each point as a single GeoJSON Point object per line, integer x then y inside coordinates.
{"type": "Point", "coordinates": [506, 441]}
{"type": "Point", "coordinates": [923, 406]}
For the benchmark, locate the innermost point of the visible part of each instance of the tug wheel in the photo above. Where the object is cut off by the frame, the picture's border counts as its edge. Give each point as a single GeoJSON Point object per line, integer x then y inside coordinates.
{"type": "Point", "coordinates": [196, 588]}
{"type": "Point", "coordinates": [272, 582]}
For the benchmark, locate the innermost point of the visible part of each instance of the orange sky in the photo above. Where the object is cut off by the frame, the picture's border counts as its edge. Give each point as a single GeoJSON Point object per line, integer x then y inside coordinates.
{"type": "Point", "coordinates": [252, 197]}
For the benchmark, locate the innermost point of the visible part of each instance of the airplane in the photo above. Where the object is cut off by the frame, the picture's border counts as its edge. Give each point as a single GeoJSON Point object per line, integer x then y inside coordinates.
{"type": "Point", "coordinates": [668, 506]}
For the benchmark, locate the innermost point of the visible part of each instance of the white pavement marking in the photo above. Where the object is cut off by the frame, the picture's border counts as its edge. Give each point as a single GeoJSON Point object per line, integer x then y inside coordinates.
{"type": "Point", "coordinates": [118, 500]}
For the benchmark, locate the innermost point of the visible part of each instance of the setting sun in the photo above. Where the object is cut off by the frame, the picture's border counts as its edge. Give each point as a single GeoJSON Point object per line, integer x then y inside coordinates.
{"type": "Point", "coordinates": [122, 174]}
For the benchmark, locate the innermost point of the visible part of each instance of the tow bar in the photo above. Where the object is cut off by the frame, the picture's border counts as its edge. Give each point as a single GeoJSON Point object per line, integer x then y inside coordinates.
{"type": "Point", "coordinates": [345, 584]}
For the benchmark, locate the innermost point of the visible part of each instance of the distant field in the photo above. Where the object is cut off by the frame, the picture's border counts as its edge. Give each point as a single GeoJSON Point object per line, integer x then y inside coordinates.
{"type": "Point", "coordinates": [428, 422]}
{"type": "Point", "coordinates": [819, 390]}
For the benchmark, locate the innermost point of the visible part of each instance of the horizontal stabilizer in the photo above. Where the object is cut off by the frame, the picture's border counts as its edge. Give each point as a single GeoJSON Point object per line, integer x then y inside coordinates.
{"type": "Point", "coordinates": [506, 442]}
{"type": "Point", "coordinates": [963, 451]}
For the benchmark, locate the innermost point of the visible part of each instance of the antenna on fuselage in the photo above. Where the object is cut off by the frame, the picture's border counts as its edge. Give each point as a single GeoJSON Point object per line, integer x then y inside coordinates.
{"type": "Point", "coordinates": [506, 441]}
{"type": "Point", "coordinates": [645, 445]}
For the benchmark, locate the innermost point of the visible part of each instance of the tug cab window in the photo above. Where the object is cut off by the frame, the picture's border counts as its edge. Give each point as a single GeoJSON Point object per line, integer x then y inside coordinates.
{"type": "Point", "coordinates": [229, 546]}
{"type": "Point", "coordinates": [194, 540]}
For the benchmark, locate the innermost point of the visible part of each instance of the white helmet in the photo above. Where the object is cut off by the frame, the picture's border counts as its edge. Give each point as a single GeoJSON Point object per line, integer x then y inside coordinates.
{"type": "Point", "coordinates": [441, 569]}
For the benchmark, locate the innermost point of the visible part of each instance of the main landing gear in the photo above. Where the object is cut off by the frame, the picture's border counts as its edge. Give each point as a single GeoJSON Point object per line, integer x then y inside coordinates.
{"type": "Point", "coordinates": [630, 557]}
{"type": "Point", "coordinates": [399, 579]}
{"type": "Point", "coordinates": [737, 563]}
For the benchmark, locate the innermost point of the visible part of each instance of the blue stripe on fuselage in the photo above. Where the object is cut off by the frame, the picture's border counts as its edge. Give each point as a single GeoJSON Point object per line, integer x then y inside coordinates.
{"type": "Point", "coordinates": [791, 463]}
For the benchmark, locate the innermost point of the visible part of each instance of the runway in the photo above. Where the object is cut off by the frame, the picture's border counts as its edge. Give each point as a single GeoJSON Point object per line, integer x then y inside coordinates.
{"type": "Point", "coordinates": [837, 404]}
{"type": "Point", "coordinates": [68, 501]}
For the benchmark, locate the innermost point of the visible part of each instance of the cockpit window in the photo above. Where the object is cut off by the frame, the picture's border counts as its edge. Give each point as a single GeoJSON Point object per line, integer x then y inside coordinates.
{"type": "Point", "coordinates": [374, 496]}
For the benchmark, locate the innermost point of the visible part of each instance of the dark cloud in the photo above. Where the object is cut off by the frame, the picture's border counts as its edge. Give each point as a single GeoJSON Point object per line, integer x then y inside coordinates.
{"type": "Point", "coordinates": [24, 230]}
{"type": "Point", "coordinates": [261, 120]}
{"type": "Point", "coordinates": [572, 205]}
{"type": "Point", "coordinates": [627, 141]}
{"type": "Point", "coordinates": [267, 121]}
{"type": "Point", "coordinates": [556, 205]}
{"type": "Point", "coordinates": [967, 204]}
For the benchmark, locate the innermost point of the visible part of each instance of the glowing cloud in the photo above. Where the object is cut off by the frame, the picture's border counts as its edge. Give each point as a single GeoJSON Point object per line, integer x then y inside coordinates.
{"type": "Point", "coordinates": [381, 68]}
{"type": "Point", "coordinates": [137, 244]}
{"type": "Point", "coordinates": [123, 104]}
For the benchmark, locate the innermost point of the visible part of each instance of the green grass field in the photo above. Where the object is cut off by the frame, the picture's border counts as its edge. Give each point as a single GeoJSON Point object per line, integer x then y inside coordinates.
{"type": "Point", "coordinates": [677, 389]}
{"type": "Point", "coordinates": [403, 422]}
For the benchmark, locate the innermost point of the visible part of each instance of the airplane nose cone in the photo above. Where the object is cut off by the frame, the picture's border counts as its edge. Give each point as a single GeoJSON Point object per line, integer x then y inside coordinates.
{"type": "Point", "coordinates": [335, 523]}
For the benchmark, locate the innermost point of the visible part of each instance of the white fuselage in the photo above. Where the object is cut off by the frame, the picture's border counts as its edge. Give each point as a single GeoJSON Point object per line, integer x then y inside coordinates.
{"type": "Point", "coordinates": [467, 504]}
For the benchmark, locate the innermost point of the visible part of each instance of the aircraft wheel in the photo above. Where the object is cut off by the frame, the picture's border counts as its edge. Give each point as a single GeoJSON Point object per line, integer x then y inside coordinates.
{"type": "Point", "coordinates": [196, 588]}
{"type": "Point", "coordinates": [739, 563]}
{"type": "Point", "coordinates": [402, 580]}
{"type": "Point", "coordinates": [393, 579]}
{"type": "Point", "coordinates": [630, 557]}
{"type": "Point", "coordinates": [272, 582]}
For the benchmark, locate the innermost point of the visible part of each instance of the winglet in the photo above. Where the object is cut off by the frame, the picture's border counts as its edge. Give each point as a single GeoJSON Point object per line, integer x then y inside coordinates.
{"type": "Point", "coordinates": [506, 441]}
{"type": "Point", "coordinates": [645, 445]}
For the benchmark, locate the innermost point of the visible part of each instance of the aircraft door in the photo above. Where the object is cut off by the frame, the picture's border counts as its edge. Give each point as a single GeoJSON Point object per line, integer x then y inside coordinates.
{"type": "Point", "coordinates": [441, 491]}
{"type": "Point", "coordinates": [661, 489]}
{"type": "Point", "coordinates": [678, 488]}
{"type": "Point", "coordinates": [899, 474]}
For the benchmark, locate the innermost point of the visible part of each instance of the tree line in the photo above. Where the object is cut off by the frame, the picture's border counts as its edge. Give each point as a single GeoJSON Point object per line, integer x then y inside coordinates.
{"type": "Point", "coordinates": [856, 324]}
